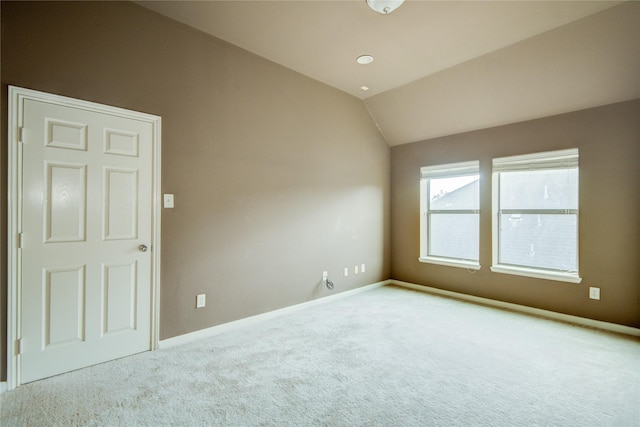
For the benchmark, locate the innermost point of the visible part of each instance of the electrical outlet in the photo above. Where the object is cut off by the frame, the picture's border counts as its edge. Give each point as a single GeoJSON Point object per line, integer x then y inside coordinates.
{"type": "Point", "coordinates": [201, 300]}
{"type": "Point", "coordinates": [594, 293]}
{"type": "Point", "coordinates": [346, 271]}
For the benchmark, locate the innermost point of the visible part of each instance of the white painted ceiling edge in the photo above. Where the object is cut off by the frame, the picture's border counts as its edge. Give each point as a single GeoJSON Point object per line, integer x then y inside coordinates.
{"type": "Point", "coordinates": [591, 62]}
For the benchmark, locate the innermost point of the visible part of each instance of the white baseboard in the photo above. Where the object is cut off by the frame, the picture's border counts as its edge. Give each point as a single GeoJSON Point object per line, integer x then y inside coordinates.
{"type": "Point", "coordinates": [582, 321]}
{"type": "Point", "coordinates": [252, 320]}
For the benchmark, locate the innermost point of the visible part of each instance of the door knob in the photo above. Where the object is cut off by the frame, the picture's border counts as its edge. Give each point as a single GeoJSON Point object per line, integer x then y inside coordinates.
{"type": "Point", "coordinates": [142, 248]}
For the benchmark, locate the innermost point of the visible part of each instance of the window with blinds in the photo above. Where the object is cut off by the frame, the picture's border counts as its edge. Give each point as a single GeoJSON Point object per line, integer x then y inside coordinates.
{"type": "Point", "coordinates": [449, 219]}
{"type": "Point", "coordinates": [535, 215]}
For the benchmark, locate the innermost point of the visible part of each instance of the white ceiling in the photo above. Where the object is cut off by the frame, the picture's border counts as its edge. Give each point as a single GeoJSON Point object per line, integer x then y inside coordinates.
{"type": "Point", "coordinates": [426, 50]}
{"type": "Point", "coordinates": [322, 39]}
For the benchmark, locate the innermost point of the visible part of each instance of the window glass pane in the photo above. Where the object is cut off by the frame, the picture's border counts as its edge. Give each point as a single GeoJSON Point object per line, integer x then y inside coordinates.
{"type": "Point", "coordinates": [543, 241]}
{"type": "Point", "coordinates": [455, 193]}
{"type": "Point", "coordinates": [454, 236]}
{"type": "Point", "coordinates": [542, 189]}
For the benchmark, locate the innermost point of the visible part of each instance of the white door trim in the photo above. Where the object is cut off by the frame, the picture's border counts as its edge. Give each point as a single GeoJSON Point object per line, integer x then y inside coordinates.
{"type": "Point", "coordinates": [17, 96]}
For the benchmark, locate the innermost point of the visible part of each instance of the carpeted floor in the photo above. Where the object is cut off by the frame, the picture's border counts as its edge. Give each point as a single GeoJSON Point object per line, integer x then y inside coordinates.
{"type": "Point", "coordinates": [387, 357]}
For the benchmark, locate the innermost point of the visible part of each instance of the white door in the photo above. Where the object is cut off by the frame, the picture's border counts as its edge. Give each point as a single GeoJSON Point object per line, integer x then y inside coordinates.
{"type": "Point", "coordinates": [85, 288]}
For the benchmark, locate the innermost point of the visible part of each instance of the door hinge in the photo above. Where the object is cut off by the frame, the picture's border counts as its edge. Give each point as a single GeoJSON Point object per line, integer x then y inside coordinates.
{"type": "Point", "coordinates": [18, 346]}
{"type": "Point", "coordinates": [20, 240]}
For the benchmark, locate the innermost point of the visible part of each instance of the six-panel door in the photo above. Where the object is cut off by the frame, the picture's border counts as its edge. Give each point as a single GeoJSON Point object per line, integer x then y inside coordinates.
{"type": "Point", "coordinates": [86, 203]}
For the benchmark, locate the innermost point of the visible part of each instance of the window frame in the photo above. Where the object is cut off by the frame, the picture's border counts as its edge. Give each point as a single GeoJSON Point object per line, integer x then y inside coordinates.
{"type": "Point", "coordinates": [450, 170]}
{"type": "Point", "coordinates": [560, 159]}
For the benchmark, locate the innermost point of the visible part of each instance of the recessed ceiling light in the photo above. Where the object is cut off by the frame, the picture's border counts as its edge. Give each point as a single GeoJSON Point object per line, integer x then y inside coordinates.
{"type": "Point", "coordinates": [364, 59]}
{"type": "Point", "coordinates": [364, 88]}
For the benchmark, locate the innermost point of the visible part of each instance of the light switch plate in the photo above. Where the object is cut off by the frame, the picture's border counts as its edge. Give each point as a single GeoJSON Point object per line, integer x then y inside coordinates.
{"type": "Point", "coordinates": [168, 200]}
{"type": "Point", "coordinates": [201, 300]}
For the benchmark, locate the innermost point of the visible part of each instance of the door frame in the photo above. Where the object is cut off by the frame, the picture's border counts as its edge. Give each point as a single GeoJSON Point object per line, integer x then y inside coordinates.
{"type": "Point", "coordinates": [17, 97]}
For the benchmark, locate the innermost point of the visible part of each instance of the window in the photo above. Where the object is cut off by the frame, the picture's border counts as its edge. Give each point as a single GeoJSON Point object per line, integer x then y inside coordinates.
{"type": "Point", "coordinates": [449, 221]}
{"type": "Point", "coordinates": [535, 215]}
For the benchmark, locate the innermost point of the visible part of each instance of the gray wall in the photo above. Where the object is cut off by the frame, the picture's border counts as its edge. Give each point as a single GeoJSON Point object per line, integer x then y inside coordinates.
{"type": "Point", "coordinates": [276, 177]}
{"type": "Point", "coordinates": [609, 230]}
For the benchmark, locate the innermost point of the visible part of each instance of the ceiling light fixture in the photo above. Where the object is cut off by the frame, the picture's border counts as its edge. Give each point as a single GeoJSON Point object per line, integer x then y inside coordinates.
{"type": "Point", "coordinates": [384, 6]}
{"type": "Point", "coordinates": [364, 59]}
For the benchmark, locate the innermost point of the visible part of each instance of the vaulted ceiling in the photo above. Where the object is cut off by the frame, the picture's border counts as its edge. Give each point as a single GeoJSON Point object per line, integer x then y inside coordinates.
{"type": "Point", "coordinates": [441, 67]}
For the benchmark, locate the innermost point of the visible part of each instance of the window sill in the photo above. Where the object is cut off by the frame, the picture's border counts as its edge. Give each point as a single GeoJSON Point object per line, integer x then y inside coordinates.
{"type": "Point", "coordinates": [538, 274]}
{"type": "Point", "coordinates": [450, 262]}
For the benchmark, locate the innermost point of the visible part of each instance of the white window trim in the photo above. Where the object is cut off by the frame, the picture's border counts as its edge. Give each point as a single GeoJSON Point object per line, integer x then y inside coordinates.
{"type": "Point", "coordinates": [547, 160]}
{"type": "Point", "coordinates": [537, 273]}
{"type": "Point", "coordinates": [451, 262]}
{"type": "Point", "coordinates": [440, 171]}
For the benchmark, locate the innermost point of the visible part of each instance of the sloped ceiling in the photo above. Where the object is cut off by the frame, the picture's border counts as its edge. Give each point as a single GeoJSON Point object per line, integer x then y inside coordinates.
{"type": "Point", "coordinates": [441, 67]}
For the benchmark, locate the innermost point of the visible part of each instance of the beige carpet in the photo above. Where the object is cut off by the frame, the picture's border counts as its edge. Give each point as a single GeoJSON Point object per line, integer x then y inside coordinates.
{"type": "Point", "coordinates": [387, 357]}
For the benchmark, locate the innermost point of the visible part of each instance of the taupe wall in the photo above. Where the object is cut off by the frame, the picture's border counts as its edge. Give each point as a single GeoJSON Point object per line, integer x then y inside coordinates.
{"type": "Point", "coordinates": [609, 230]}
{"type": "Point", "coordinates": [276, 177]}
